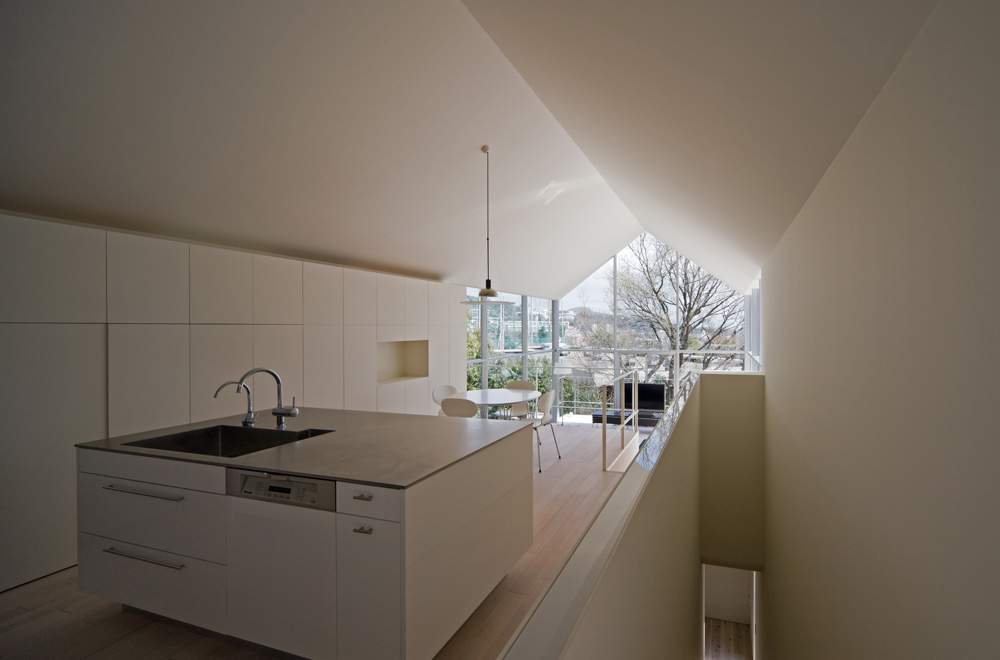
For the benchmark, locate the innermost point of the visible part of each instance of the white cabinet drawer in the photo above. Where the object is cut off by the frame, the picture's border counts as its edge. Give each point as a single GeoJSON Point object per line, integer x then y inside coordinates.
{"type": "Point", "coordinates": [370, 501]}
{"type": "Point", "coordinates": [180, 588]}
{"type": "Point", "coordinates": [185, 522]}
{"type": "Point", "coordinates": [369, 589]}
{"type": "Point", "coordinates": [196, 476]}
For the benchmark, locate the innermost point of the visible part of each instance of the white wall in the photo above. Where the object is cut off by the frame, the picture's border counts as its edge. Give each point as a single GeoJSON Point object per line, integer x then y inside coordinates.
{"type": "Point", "coordinates": [648, 601]}
{"type": "Point", "coordinates": [883, 372]}
{"type": "Point", "coordinates": [106, 333]}
{"type": "Point", "coordinates": [731, 466]}
{"type": "Point", "coordinates": [729, 594]}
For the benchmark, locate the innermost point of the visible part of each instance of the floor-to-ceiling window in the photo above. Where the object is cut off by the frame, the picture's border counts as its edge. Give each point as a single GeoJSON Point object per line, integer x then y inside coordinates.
{"type": "Point", "coordinates": [649, 310]}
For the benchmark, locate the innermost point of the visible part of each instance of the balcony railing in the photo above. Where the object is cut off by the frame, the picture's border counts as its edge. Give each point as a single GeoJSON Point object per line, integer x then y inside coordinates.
{"type": "Point", "coordinates": [633, 417]}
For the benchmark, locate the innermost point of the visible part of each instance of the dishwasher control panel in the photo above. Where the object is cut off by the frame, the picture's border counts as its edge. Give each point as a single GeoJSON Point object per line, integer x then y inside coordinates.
{"type": "Point", "coordinates": [282, 488]}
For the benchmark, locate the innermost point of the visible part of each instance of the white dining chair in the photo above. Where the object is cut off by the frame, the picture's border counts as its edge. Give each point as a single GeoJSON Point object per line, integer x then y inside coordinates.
{"type": "Point", "coordinates": [520, 409]}
{"type": "Point", "coordinates": [440, 393]}
{"type": "Point", "coordinates": [545, 407]}
{"type": "Point", "coordinates": [456, 407]}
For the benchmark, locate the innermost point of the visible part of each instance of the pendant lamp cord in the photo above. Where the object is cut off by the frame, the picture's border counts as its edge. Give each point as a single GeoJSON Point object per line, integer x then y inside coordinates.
{"type": "Point", "coordinates": [486, 150]}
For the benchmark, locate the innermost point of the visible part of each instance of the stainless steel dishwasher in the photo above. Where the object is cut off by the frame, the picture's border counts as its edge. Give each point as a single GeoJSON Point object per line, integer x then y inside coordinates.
{"type": "Point", "coordinates": [281, 556]}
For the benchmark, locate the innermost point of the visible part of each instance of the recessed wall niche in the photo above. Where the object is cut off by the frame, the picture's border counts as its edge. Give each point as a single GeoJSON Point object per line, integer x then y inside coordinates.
{"type": "Point", "coordinates": [401, 360]}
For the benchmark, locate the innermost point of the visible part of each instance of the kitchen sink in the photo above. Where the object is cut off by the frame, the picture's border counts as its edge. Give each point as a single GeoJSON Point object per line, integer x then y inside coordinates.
{"type": "Point", "coordinates": [227, 441]}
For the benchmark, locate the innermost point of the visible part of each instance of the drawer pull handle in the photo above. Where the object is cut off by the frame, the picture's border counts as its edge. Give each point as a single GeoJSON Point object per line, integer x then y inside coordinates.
{"type": "Point", "coordinates": [119, 489]}
{"type": "Point", "coordinates": [363, 530]}
{"type": "Point", "coordinates": [121, 553]}
{"type": "Point", "coordinates": [363, 498]}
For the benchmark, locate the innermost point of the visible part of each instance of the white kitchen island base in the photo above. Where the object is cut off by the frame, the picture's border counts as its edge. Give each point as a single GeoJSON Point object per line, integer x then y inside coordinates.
{"type": "Point", "coordinates": [465, 529]}
{"type": "Point", "coordinates": [393, 573]}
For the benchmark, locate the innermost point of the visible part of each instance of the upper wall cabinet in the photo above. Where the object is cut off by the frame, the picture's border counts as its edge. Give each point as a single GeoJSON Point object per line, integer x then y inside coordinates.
{"type": "Point", "coordinates": [359, 297]}
{"type": "Point", "coordinates": [221, 286]}
{"type": "Point", "coordinates": [415, 301]}
{"type": "Point", "coordinates": [277, 290]}
{"type": "Point", "coordinates": [149, 384]}
{"type": "Point", "coordinates": [323, 366]}
{"type": "Point", "coordinates": [322, 294]}
{"type": "Point", "coordinates": [389, 299]}
{"type": "Point", "coordinates": [456, 309]}
{"type": "Point", "coordinates": [148, 280]}
{"type": "Point", "coordinates": [219, 353]}
{"type": "Point", "coordinates": [51, 273]}
{"type": "Point", "coordinates": [279, 348]}
{"type": "Point", "coordinates": [438, 296]}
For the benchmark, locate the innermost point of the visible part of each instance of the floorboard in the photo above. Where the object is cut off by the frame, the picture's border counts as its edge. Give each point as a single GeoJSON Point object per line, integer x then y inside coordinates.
{"type": "Point", "coordinates": [51, 619]}
{"type": "Point", "coordinates": [726, 640]}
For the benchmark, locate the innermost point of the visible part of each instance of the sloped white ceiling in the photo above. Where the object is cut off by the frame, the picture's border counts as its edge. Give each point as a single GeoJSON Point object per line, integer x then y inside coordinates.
{"type": "Point", "coordinates": [349, 131]}
{"type": "Point", "coordinates": [343, 131]}
{"type": "Point", "coordinates": [712, 120]}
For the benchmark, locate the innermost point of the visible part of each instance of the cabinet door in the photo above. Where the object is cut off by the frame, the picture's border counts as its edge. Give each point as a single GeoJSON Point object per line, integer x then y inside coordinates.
{"type": "Point", "coordinates": [51, 273]}
{"type": "Point", "coordinates": [282, 589]}
{"type": "Point", "coordinates": [174, 586]}
{"type": "Point", "coordinates": [360, 368]}
{"type": "Point", "coordinates": [323, 366]}
{"type": "Point", "coordinates": [417, 398]}
{"type": "Point", "coordinates": [438, 299]}
{"type": "Point", "coordinates": [149, 380]}
{"type": "Point", "coordinates": [277, 347]}
{"type": "Point", "coordinates": [277, 290]}
{"type": "Point", "coordinates": [221, 285]}
{"type": "Point", "coordinates": [438, 370]}
{"type": "Point", "coordinates": [392, 397]}
{"type": "Point", "coordinates": [148, 280]}
{"type": "Point", "coordinates": [369, 583]}
{"type": "Point", "coordinates": [359, 297]}
{"type": "Point", "coordinates": [415, 300]}
{"type": "Point", "coordinates": [389, 299]}
{"type": "Point", "coordinates": [322, 294]}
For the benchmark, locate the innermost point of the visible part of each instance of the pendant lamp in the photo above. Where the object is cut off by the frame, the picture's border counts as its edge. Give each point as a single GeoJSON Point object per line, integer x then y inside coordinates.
{"type": "Point", "coordinates": [487, 295]}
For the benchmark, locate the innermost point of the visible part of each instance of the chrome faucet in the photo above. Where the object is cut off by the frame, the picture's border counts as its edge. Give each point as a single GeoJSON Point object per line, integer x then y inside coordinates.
{"type": "Point", "coordinates": [248, 420]}
{"type": "Point", "coordinates": [281, 412]}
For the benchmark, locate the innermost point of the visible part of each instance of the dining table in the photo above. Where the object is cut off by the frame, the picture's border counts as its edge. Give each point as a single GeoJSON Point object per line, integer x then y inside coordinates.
{"type": "Point", "coordinates": [498, 396]}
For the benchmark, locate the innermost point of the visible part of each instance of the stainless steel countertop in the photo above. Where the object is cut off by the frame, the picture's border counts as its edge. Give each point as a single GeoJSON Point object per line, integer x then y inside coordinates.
{"type": "Point", "coordinates": [385, 449]}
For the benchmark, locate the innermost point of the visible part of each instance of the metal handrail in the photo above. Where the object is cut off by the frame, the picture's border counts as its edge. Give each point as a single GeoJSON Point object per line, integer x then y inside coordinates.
{"type": "Point", "coordinates": [633, 417]}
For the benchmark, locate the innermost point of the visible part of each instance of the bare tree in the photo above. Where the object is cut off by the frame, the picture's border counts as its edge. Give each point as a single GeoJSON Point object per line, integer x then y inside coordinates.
{"type": "Point", "coordinates": [668, 302]}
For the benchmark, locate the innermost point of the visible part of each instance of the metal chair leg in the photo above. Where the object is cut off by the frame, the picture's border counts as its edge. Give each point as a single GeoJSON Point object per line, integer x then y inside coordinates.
{"type": "Point", "coordinates": [555, 441]}
{"type": "Point", "coordinates": [538, 449]}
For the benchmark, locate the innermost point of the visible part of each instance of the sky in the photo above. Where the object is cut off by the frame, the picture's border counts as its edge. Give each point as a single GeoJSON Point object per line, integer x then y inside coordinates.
{"type": "Point", "coordinates": [591, 293]}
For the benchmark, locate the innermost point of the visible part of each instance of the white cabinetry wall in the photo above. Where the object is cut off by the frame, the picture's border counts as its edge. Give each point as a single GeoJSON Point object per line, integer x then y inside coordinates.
{"type": "Point", "coordinates": [106, 333]}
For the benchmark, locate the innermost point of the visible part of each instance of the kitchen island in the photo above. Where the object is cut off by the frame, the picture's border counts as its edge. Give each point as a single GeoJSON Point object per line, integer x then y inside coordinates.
{"type": "Point", "coordinates": [430, 513]}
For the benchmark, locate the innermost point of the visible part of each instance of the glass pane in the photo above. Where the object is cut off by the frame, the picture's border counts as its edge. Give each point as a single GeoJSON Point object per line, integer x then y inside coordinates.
{"type": "Point", "coordinates": [539, 372]}
{"type": "Point", "coordinates": [472, 332]}
{"type": "Point", "coordinates": [651, 368]}
{"type": "Point", "coordinates": [504, 326]}
{"type": "Point", "coordinates": [580, 395]}
{"type": "Point", "coordinates": [473, 373]}
{"type": "Point", "coordinates": [539, 324]}
{"type": "Point", "coordinates": [502, 370]}
{"type": "Point", "coordinates": [667, 301]}
{"type": "Point", "coordinates": [585, 316]}
{"type": "Point", "coordinates": [711, 361]}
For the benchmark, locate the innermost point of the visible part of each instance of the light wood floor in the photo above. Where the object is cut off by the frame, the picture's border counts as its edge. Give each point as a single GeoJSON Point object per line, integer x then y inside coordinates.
{"type": "Point", "coordinates": [725, 640]}
{"type": "Point", "coordinates": [51, 619]}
